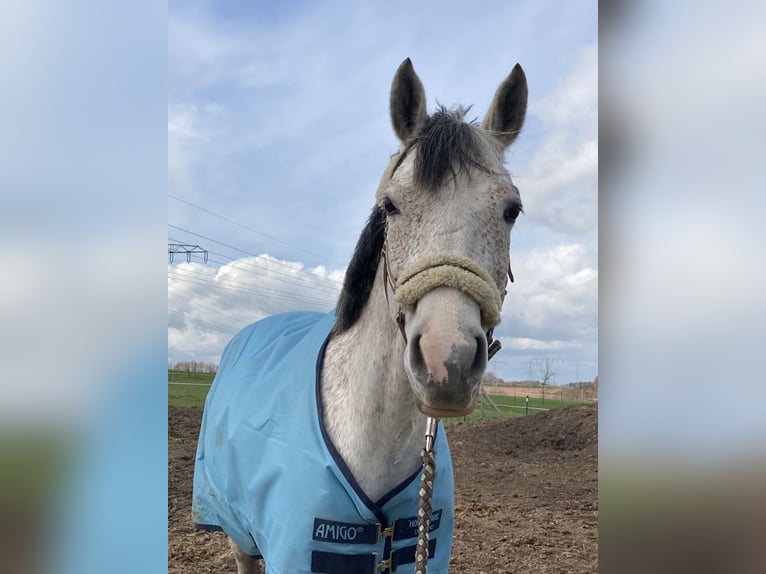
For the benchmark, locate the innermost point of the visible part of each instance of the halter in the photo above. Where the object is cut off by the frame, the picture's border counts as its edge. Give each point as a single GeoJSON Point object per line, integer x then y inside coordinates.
{"type": "Point", "coordinates": [441, 271]}
{"type": "Point", "coordinates": [446, 271]}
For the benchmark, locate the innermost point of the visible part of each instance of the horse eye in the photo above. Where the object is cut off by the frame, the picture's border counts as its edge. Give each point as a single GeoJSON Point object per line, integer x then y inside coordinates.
{"type": "Point", "coordinates": [389, 206]}
{"type": "Point", "coordinates": [512, 212]}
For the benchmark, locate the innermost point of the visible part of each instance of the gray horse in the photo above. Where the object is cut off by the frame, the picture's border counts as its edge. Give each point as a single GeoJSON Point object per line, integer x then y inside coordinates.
{"type": "Point", "coordinates": [327, 486]}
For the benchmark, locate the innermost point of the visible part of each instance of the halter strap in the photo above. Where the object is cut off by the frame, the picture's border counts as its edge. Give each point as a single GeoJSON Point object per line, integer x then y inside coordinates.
{"type": "Point", "coordinates": [388, 279]}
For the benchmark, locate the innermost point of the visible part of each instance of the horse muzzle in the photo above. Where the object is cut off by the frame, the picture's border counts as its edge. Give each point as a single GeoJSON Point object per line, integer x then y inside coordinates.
{"type": "Point", "coordinates": [446, 353]}
{"type": "Point", "coordinates": [448, 307]}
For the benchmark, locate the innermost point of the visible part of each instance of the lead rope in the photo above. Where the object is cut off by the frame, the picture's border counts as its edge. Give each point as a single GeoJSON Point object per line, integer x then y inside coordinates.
{"type": "Point", "coordinates": [426, 497]}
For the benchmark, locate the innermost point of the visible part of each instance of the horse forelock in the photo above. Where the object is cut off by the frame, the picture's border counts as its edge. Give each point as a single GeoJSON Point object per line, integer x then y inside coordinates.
{"type": "Point", "coordinates": [447, 144]}
{"type": "Point", "coordinates": [360, 275]}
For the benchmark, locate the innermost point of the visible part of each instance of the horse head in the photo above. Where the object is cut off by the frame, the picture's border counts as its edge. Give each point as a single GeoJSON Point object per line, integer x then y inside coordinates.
{"type": "Point", "coordinates": [441, 227]}
{"type": "Point", "coordinates": [449, 207]}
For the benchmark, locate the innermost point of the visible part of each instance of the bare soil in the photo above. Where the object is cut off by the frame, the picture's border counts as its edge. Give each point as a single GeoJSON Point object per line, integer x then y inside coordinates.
{"type": "Point", "coordinates": [526, 495]}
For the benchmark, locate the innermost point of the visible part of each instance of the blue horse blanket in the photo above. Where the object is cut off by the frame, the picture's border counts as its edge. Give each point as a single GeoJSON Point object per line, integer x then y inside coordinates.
{"type": "Point", "coordinates": [267, 473]}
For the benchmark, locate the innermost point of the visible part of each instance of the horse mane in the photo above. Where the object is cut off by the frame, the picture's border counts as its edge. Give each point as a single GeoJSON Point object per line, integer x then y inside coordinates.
{"type": "Point", "coordinates": [360, 275]}
{"type": "Point", "coordinates": [445, 144]}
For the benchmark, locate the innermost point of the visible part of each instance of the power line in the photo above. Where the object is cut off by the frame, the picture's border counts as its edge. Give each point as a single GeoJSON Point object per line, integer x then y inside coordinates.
{"type": "Point", "coordinates": [288, 279]}
{"type": "Point", "coordinates": [251, 289]}
{"type": "Point", "coordinates": [309, 281]}
{"type": "Point", "coordinates": [255, 290]}
{"type": "Point", "coordinates": [219, 320]}
{"type": "Point", "coordinates": [243, 226]}
{"type": "Point", "coordinates": [314, 277]}
{"type": "Point", "coordinates": [211, 327]}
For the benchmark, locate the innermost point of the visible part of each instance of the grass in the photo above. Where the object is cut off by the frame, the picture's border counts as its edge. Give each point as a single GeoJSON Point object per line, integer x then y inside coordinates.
{"type": "Point", "coordinates": [188, 389]}
{"type": "Point", "coordinates": [513, 407]}
{"type": "Point", "coordinates": [510, 407]}
{"type": "Point", "coordinates": [517, 403]}
{"type": "Point", "coordinates": [188, 377]}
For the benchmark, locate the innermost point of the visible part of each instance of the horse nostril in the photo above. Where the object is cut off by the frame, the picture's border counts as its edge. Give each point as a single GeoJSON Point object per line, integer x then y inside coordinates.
{"type": "Point", "coordinates": [480, 358]}
{"type": "Point", "coordinates": [416, 353]}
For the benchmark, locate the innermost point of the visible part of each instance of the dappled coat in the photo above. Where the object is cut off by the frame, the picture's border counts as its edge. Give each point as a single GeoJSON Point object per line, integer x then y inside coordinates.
{"type": "Point", "coordinates": [268, 475]}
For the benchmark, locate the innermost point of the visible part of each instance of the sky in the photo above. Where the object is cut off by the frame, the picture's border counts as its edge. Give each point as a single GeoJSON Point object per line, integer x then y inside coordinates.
{"type": "Point", "coordinates": [279, 131]}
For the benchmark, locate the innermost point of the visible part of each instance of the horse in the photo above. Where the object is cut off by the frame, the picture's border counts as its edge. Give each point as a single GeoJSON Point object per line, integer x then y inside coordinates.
{"type": "Point", "coordinates": [312, 432]}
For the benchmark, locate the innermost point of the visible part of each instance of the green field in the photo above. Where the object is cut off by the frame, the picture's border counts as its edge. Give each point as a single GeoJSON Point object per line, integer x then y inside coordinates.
{"type": "Point", "coordinates": [190, 389]}
{"type": "Point", "coordinates": [514, 407]}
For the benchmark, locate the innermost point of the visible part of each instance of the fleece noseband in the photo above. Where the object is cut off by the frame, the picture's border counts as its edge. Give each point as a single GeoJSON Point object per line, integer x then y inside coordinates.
{"type": "Point", "coordinates": [451, 271]}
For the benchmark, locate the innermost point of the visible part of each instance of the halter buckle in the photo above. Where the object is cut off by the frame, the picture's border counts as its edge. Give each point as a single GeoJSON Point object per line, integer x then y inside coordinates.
{"type": "Point", "coordinates": [493, 345]}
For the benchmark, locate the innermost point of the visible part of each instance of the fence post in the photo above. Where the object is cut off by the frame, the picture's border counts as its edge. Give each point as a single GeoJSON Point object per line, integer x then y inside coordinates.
{"type": "Point", "coordinates": [526, 406]}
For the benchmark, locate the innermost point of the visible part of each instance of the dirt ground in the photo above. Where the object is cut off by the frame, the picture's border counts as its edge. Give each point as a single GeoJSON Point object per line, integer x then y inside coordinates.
{"type": "Point", "coordinates": [526, 495]}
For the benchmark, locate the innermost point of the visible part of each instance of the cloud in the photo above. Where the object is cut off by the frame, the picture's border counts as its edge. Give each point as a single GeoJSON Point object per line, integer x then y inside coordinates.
{"type": "Point", "coordinates": [524, 344]}
{"type": "Point", "coordinates": [307, 117]}
{"type": "Point", "coordinates": [205, 54]}
{"type": "Point", "coordinates": [554, 301]}
{"type": "Point", "coordinates": [186, 141]}
{"type": "Point", "coordinates": [573, 102]}
{"type": "Point", "coordinates": [551, 307]}
{"type": "Point", "coordinates": [560, 183]}
{"type": "Point", "coordinates": [207, 305]}
{"type": "Point", "coordinates": [255, 118]}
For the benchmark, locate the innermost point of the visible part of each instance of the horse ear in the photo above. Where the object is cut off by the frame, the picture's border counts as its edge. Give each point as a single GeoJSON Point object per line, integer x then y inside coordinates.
{"type": "Point", "coordinates": [506, 114]}
{"type": "Point", "coordinates": [408, 102]}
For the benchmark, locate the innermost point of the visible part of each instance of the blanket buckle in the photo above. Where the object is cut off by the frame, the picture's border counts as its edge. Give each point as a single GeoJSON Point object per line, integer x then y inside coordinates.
{"type": "Point", "coordinates": [385, 532]}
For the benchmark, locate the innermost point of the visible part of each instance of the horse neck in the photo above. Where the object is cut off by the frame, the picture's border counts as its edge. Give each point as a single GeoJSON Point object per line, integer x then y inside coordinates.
{"type": "Point", "coordinates": [369, 409]}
